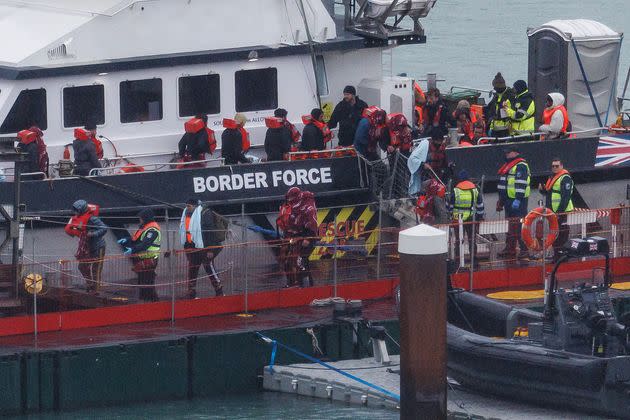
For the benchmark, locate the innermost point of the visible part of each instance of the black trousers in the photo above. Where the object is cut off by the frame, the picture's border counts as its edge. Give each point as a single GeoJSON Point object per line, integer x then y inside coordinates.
{"type": "Point", "coordinates": [198, 257]}
{"type": "Point", "coordinates": [145, 269]}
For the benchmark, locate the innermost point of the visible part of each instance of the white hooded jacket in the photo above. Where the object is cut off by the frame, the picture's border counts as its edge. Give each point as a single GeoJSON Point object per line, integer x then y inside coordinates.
{"type": "Point", "coordinates": [554, 128]}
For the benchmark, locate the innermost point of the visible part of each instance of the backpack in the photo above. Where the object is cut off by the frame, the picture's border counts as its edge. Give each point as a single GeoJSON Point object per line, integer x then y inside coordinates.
{"type": "Point", "coordinates": [214, 227]}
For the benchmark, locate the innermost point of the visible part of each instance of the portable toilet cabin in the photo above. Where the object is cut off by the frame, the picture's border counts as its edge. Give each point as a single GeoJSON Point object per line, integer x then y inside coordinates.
{"type": "Point", "coordinates": [573, 57]}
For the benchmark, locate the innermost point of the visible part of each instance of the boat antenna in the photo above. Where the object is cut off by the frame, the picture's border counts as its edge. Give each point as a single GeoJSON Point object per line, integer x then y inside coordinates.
{"type": "Point", "coordinates": [311, 47]}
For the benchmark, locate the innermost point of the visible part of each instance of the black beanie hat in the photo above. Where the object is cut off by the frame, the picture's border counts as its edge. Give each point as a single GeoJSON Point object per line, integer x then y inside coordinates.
{"type": "Point", "coordinates": [280, 113]}
{"type": "Point", "coordinates": [316, 113]}
{"type": "Point", "coordinates": [146, 215]}
{"type": "Point", "coordinates": [499, 81]}
{"type": "Point", "coordinates": [520, 86]}
{"type": "Point", "coordinates": [350, 89]}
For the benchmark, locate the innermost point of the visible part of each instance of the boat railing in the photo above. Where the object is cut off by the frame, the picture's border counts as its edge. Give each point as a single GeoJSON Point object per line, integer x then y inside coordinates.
{"type": "Point", "coordinates": [534, 135]}
{"type": "Point", "coordinates": [155, 167]}
{"type": "Point", "coordinates": [253, 259]}
{"type": "Point", "coordinates": [322, 154]}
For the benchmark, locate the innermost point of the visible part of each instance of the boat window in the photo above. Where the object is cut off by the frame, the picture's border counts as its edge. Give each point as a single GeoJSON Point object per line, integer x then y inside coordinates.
{"type": "Point", "coordinates": [140, 100]}
{"type": "Point", "coordinates": [199, 95]}
{"type": "Point", "coordinates": [256, 90]}
{"type": "Point", "coordinates": [83, 104]}
{"type": "Point", "coordinates": [322, 77]}
{"type": "Point", "coordinates": [29, 109]}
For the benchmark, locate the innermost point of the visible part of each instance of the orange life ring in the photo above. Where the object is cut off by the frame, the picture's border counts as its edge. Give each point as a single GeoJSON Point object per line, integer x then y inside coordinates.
{"type": "Point", "coordinates": [531, 239]}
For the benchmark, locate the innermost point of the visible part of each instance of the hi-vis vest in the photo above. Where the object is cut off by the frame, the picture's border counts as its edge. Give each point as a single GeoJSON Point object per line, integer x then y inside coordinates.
{"type": "Point", "coordinates": [526, 123]}
{"type": "Point", "coordinates": [507, 177]}
{"type": "Point", "coordinates": [499, 123]}
{"type": "Point", "coordinates": [154, 250]}
{"type": "Point", "coordinates": [466, 194]}
{"type": "Point", "coordinates": [554, 186]}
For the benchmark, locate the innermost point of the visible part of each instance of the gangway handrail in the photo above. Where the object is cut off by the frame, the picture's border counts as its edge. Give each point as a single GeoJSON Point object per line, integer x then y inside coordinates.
{"type": "Point", "coordinates": [540, 133]}
{"type": "Point", "coordinates": [97, 171]}
{"type": "Point", "coordinates": [332, 152]}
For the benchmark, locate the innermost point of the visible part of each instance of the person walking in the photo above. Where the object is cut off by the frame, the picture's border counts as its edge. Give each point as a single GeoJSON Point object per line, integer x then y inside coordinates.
{"type": "Point", "coordinates": [347, 113]}
{"type": "Point", "coordinates": [513, 189]}
{"type": "Point", "coordinates": [298, 223]}
{"type": "Point", "coordinates": [199, 237]}
{"type": "Point", "coordinates": [495, 112]}
{"type": "Point", "coordinates": [90, 229]}
{"type": "Point", "coordinates": [466, 204]}
{"type": "Point", "coordinates": [521, 110]}
{"type": "Point", "coordinates": [558, 191]}
{"type": "Point", "coordinates": [144, 247]}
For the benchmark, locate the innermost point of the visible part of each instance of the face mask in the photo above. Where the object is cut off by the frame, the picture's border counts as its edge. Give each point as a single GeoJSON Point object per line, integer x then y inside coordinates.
{"type": "Point", "coordinates": [500, 90]}
{"type": "Point", "coordinates": [507, 159]}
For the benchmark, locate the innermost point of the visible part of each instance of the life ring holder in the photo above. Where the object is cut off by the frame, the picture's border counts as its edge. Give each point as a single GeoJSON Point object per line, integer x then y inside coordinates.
{"type": "Point", "coordinates": [530, 238]}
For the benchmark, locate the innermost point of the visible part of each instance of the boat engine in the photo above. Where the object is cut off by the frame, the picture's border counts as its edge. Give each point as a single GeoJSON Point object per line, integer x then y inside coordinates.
{"type": "Point", "coordinates": [581, 319]}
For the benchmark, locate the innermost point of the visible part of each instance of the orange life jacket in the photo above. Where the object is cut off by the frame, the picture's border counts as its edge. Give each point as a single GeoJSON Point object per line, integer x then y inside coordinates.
{"type": "Point", "coordinates": [188, 234]}
{"type": "Point", "coordinates": [509, 165]}
{"type": "Point", "coordinates": [194, 125]}
{"type": "Point", "coordinates": [98, 145]}
{"type": "Point", "coordinates": [212, 140]}
{"type": "Point", "coordinates": [466, 185]}
{"type": "Point", "coordinates": [84, 135]}
{"type": "Point", "coordinates": [548, 113]}
{"type": "Point", "coordinates": [283, 218]}
{"type": "Point", "coordinates": [323, 127]}
{"type": "Point", "coordinates": [395, 141]}
{"type": "Point", "coordinates": [552, 179]}
{"type": "Point", "coordinates": [79, 222]}
{"type": "Point", "coordinates": [231, 123]}
{"type": "Point", "coordinates": [132, 168]}
{"type": "Point", "coordinates": [143, 229]}
{"type": "Point", "coordinates": [274, 122]}
{"type": "Point", "coordinates": [27, 136]}
{"type": "Point", "coordinates": [419, 109]}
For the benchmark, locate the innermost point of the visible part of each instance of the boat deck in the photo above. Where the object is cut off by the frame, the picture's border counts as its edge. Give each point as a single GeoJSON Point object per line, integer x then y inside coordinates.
{"type": "Point", "coordinates": [377, 310]}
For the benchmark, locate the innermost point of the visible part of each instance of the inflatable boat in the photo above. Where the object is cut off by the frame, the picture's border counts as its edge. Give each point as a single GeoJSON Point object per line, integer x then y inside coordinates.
{"type": "Point", "coordinates": [573, 355]}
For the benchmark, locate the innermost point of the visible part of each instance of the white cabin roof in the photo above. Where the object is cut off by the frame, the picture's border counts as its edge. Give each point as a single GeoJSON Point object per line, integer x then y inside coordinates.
{"type": "Point", "coordinates": [61, 33]}
{"type": "Point", "coordinates": [578, 29]}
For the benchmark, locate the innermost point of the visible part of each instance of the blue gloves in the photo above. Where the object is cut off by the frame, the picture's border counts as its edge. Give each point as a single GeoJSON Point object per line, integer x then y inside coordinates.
{"type": "Point", "coordinates": [516, 204]}
{"type": "Point", "coordinates": [127, 251]}
{"type": "Point", "coordinates": [123, 241]}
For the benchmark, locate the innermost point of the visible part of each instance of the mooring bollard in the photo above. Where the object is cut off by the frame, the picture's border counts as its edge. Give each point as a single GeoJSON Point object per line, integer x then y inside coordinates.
{"type": "Point", "coordinates": [423, 252]}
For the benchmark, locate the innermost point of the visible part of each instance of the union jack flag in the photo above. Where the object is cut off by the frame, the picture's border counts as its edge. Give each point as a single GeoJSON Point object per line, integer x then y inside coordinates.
{"type": "Point", "coordinates": [613, 151]}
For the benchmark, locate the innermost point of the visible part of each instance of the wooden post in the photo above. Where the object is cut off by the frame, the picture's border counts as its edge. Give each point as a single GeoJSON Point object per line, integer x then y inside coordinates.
{"type": "Point", "coordinates": [423, 252]}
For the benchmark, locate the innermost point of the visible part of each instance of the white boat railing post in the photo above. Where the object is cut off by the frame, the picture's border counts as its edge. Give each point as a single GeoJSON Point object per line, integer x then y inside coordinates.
{"type": "Point", "coordinates": [169, 265]}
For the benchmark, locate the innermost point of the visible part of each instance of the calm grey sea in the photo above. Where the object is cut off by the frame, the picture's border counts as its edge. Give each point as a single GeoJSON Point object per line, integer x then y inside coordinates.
{"type": "Point", "coordinates": [468, 42]}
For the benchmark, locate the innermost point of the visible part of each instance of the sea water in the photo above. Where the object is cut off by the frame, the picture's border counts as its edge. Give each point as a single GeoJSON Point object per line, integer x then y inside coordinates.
{"type": "Point", "coordinates": [469, 41]}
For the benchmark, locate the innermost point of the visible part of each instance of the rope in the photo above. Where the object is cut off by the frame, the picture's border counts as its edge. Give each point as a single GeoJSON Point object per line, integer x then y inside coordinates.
{"type": "Point", "coordinates": [275, 343]}
{"type": "Point", "coordinates": [327, 301]}
{"type": "Point", "coordinates": [314, 341]}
